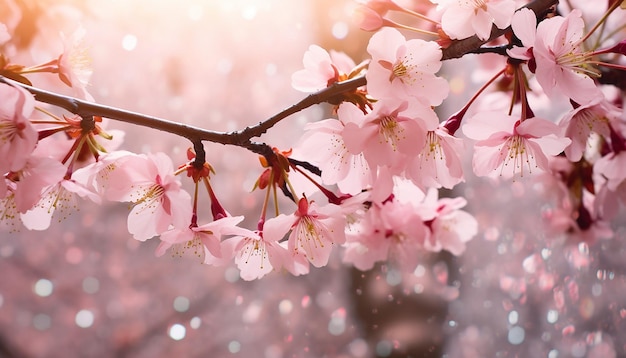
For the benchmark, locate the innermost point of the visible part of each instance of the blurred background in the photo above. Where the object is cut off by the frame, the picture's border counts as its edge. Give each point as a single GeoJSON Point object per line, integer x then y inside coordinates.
{"type": "Point", "coordinates": [85, 288]}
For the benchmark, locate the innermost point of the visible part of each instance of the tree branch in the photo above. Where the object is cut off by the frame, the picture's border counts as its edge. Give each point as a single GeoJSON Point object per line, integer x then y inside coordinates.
{"type": "Point", "coordinates": [315, 98]}
{"type": "Point", "coordinates": [243, 137]}
{"type": "Point", "coordinates": [239, 138]}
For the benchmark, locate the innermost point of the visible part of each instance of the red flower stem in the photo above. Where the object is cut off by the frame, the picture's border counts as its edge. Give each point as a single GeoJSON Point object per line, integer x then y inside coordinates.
{"type": "Point", "coordinates": [194, 213]}
{"type": "Point", "coordinates": [265, 204]}
{"type": "Point", "coordinates": [454, 122]}
{"type": "Point", "coordinates": [521, 85]}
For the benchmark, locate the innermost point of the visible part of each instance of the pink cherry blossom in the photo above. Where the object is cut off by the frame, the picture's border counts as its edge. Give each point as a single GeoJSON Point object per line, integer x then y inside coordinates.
{"type": "Point", "coordinates": [463, 18]}
{"type": "Point", "coordinates": [314, 230]}
{"type": "Point", "coordinates": [369, 15]}
{"type": "Point", "coordinates": [323, 145]}
{"type": "Point", "coordinates": [321, 69]}
{"type": "Point", "coordinates": [204, 240]}
{"type": "Point", "coordinates": [159, 201]}
{"type": "Point", "coordinates": [524, 25]}
{"type": "Point", "coordinates": [508, 147]}
{"type": "Point", "coordinates": [562, 66]}
{"type": "Point", "coordinates": [608, 202]}
{"type": "Point", "coordinates": [59, 200]}
{"type": "Point", "coordinates": [256, 257]}
{"type": "Point", "coordinates": [368, 19]}
{"type": "Point", "coordinates": [365, 244]}
{"type": "Point", "coordinates": [106, 175]}
{"type": "Point", "coordinates": [439, 162]}
{"type": "Point", "coordinates": [560, 59]}
{"type": "Point", "coordinates": [612, 167]}
{"type": "Point", "coordinates": [392, 132]}
{"type": "Point", "coordinates": [18, 138]}
{"type": "Point", "coordinates": [580, 123]}
{"type": "Point", "coordinates": [37, 174]}
{"type": "Point", "coordinates": [74, 64]}
{"type": "Point", "coordinates": [450, 227]}
{"type": "Point", "coordinates": [401, 68]}
{"type": "Point", "coordinates": [392, 231]}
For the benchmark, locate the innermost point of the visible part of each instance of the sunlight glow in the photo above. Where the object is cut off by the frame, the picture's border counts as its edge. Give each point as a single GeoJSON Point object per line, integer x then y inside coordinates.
{"type": "Point", "coordinates": [129, 42]}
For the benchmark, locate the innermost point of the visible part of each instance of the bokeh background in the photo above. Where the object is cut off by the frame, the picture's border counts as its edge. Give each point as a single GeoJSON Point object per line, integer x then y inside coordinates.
{"type": "Point", "coordinates": [85, 288]}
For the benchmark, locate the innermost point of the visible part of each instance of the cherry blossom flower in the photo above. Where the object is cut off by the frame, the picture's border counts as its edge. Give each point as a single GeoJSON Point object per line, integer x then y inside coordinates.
{"type": "Point", "coordinates": [608, 202]}
{"type": "Point", "coordinates": [555, 48]}
{"type": "Point", "coordinates": [464, 18]}
{"type": "Point", "coordinates": [321, 69]}
{"type": "Point", "coordinates": [148, 182]}
{"type": "Point", "coordinates": [450, 227]}
{"type": "Point", "coordinates": [256, 256]}
{"type": "Point", "coordinates": [99, 175]}
{"type": "Point", "coordinates": [580, 123]}
{"type": "Point", "coordinates": [367, 19]}
{"type": "Point", "coordinates": [22, 190]}
{"type": "Point", "coordinates": [393, 131]}
{"type": "Point", "coordinates": [38, 174]}
{"type": "Point", "coordinates": [612, 167]}
{"type": "Point", "coordinates": [204, 240]}
{"type": "Point", "coordinates": [439, 163]}
{"type": "Point", "coordinates": [59, 200]}
{"type": "Point", "coordinates": [524, 25]}
{"type": "Point", "coordinates": [314, 230]}
{"type": "Point", "coordinates": [74, 64]}
{"type": "Point", "coordinates": [392, 231]}
{"type": "Point", "coordinates": [365, 243]}
{"type": "Point", "coordinates": [512, 145]}
{"type": "Point", "coordinates": [369, 15]}
{"type": "Point", "coordinates": [324, 146]}
{"type": "Point", "coordinates": [18, 138]}
{"type": "Point", "coordinates": [401, 68]}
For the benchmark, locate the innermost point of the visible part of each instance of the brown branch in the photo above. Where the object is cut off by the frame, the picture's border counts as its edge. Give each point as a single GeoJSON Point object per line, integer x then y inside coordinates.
{"type": "Point", "coordinates": [315, 98]}
{"type": "Point", "coordinates": [239, 138]}
{"type": "Point", "coordinates": [86, 109]}
{"type": "Point", "coordinates": [243, 137]}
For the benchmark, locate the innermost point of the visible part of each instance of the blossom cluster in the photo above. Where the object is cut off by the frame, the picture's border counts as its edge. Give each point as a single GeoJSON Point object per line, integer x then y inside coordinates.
{"type": "Point", "coordinates": [373, 170]}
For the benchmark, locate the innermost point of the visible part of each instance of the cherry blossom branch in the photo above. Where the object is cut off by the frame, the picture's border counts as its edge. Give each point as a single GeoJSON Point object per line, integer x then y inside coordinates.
{"type": "Point", "coordinates": [238, 138]}
{"type": "Point", "coordinates": [459, 48]}
{"type": "Point", "coordinates": [242, 138]}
